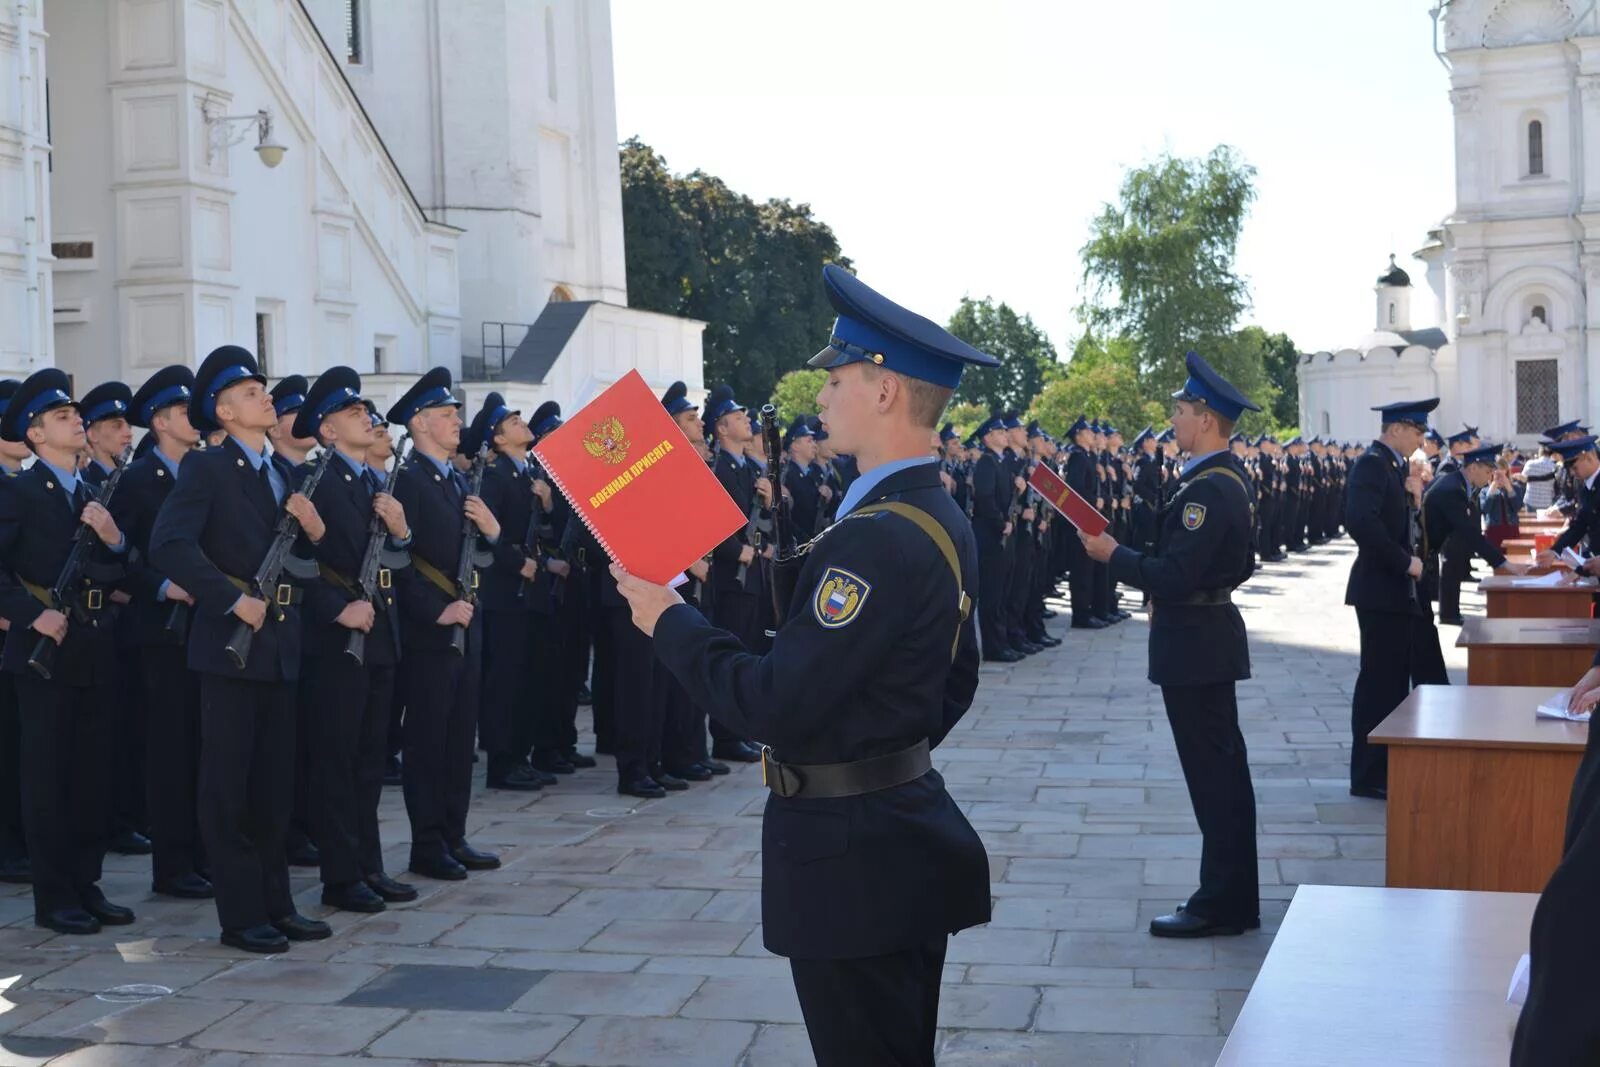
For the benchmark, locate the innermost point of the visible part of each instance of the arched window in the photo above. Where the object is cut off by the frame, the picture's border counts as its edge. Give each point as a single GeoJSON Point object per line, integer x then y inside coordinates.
{"type": "Point", "coordinates": [1539, 313]}
{"type": "Point", "coordinates": [1535, 148]}
{"type": "Point", "coordinates": [560, 295]}
{"type": "Point", "coordinates": [1391, 313]}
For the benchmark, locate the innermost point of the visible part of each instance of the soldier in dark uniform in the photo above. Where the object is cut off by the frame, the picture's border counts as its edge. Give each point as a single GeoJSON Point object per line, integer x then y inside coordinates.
{"type": "Point", "coordinates": [868, 865]}
{"type": "Point", "coordinates": [1582, 466]}
{"type": "Point", "coordinates": [350, 698]}
{"type": "Point", "coordinates": [1020, 545]}
{"type": "Point", "coordinates": [209, 538]}
{"type": "Point", "coordinates": [289, 452]}
{"type": "Point", "coordinates": [1381, 504]}
{"type": "Point", "coordinates": [991, 527]}
{"type": "Point", "coordinates": [14, 866]}
{"type": "Point", "coordinates": [1146, 489]}
{"type": "Point", "coordinates": [159, 617]}
{"type": "Point", "coordinates": [442, 684]}
{"type": "Point", "coordinates": [65, 734]}
{"type": "Point", "coordinates": [953, 463]}
{"type": "Point", "coordinates": [801, 482]}
{"type": "Point", "coordinates": [1451, 535]}
{"type": "Point", "coordinates": [1081, 475]}
{"type": "Point", "coordinates": [1199, 649]}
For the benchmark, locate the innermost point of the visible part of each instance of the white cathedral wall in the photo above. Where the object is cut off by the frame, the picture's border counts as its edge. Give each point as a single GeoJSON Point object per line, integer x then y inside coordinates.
{"type": "Point", "coordinates": [1338, 390]}
{"type": "Point", "coordinates": [24, 308]}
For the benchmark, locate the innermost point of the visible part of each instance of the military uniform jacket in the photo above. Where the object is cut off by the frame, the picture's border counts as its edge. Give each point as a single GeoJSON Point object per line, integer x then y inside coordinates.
{"type": "Point", "coordinates": [739, 480]}
{"type": "Point", "coordinates": [145, 486]}
{"type": "Point", "coordinates": [508, 492]}
{"type": "Point", "coordinates": [1377, 514]}
{"type": "Point", "coordinates": [1448, 523]}
{"type": "Point", "coordinates": [37, 524]}
{"type": "Point", "coordinates": [344, 500]}
{"type": "Point", "coordinates": [1202, 548]}
{"type": "Point", "coordinates": [991, 497]}
{"type": "Point", "coordinates": [862, 667]}
{"type": "Point", "coordinates": [1147, 481]}
{"type": "Point", "coordinates": [1584, 527]}
{"type": "Point", "coordinates": [804, 510]}
{"type": "Point", "coordinates": [217, 522]}
{"type": "Point", "coordinates": [434, 503]}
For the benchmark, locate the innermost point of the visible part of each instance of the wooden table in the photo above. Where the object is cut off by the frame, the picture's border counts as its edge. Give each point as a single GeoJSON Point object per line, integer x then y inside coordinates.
{"type": "Point", "coordinates": [1508, 600]}
{"type": "Point", "coordinates": [1364, 977]}
{"type": "Point", "coordinates": [1547, 652]}
{"type": "Point", "coordinates": [1517, 548]}
{"type": "Point", "coordinates": [1478, 787]}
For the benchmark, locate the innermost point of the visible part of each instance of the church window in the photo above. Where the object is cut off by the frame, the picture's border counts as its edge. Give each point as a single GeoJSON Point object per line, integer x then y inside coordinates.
{"type": "Point", "coordinates": [1391, 313]}
{"type": "Point", "coordinates": [560, 295]}
{"type": "Point", "coordinates": [1539, 314]}
{"type": "Point", "coordinates": [1538, 395]}
{"type": "Point", "coordinates": [354, 50]}
{"type": "Point", "coordinates": [1535, 148]}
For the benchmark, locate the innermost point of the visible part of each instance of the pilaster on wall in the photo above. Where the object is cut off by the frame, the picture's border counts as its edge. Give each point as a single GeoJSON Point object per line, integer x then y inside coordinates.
{"type": "Point", "coordinates": [26, 338]}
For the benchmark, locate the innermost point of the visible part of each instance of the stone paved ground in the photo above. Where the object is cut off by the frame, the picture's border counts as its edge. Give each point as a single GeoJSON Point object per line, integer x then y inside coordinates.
{"type": "Point", "coordinates": [623, 935]}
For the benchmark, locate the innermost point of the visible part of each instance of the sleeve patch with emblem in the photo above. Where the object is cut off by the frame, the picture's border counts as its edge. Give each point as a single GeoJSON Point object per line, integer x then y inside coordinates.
{"type": "Point", "coordinates": [839, 598]}
{"type": "Point", "coordinates": [1194, 516]}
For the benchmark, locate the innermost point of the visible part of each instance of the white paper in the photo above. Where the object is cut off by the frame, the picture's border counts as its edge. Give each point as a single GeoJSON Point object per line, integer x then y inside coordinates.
{"type": "Point", "coordinates": [1517, 993]}
{"type": "Point", "coordinates": [1555, 707]}
{"type": "Point", "coordinates": [1573, 558]}
{"type": "Point", "coordinates": [1541, 580]}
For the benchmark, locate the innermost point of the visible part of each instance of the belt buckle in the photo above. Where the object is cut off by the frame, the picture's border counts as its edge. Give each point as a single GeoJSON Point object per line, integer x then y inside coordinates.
{"type": "Point", "coordinates": [94, 599]}
{"type": "Point", "coordinates": [766, 755]}
{"type": "Point", "coordinates": [474, 578]}
{"type": "Point", "coordinates": [284, 595]}
{"type": "Point", "coordinates": [385, 580]}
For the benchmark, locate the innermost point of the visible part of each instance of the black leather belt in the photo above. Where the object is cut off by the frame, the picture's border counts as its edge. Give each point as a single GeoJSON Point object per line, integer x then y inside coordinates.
{"type": "Point", "coordinates": [823, 780]}
{"type": "Point", "coordinates": [1203, 599]}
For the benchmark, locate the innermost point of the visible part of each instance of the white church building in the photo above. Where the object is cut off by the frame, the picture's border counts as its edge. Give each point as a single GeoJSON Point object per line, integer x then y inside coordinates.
{"type": "Point", "coordinates": [387, 185]}
{"type": "Point", "coordinates": [1513, 271]}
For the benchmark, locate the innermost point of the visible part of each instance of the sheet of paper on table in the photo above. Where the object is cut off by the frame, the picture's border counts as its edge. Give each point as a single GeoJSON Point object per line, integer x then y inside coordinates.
{"type": "Point", "coordinates": [1555, 707]}
{"type": "Point", "coordinates": [1554, 578]}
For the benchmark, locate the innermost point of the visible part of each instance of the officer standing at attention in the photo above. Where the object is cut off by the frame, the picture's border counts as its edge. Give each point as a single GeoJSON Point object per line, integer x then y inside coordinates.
{"type": "Point", "coordinates": [1380, 511]}
{"type": "Point", "coordinates": [288, 451]}
{"type": "Point", "coordinates": [991, 526]}
{"type": "Point", "coordinates": [867, 864]}
{"type": "Point", "coordinates": [66, 745]}
{"type": "Point", "coordinates": [1199, 649]}
{"type": "Point", "coordinates": [160, 616]}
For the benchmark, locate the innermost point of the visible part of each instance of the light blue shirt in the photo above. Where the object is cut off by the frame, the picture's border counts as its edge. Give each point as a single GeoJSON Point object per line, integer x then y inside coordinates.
{"type": "Point", "coordinates": [172, 467]}
{"type": "Point", "coordinates": [357, 467]}
{"type": "Point", "coordinates": [738, 460]}
{"type": "Point", "coordinates": [280, 488]}
{"type": "Point", "coordinates": [1195, 461]}
{"type": "Point", "coordinates": [1398, 458]}
{"type": "Point", "coordinates": [69, 482]}
{"type": "Point", "coordinates": [870, 480]}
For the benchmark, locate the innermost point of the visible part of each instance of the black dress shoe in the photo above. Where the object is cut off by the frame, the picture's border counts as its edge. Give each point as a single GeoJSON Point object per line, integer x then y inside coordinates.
{"type": "Point", "coordinates": [68, 921]}
{"type": "Point", "coordinates": [441, 867]}
{"type": "Point", "coordinates": [578, 759]}
{"type": "Point", "coordinates": [518, 779]}
{"type": "Point", "coordinates": [256, 939]}
{"type": "Point", "coordinates": [552, 762]}
{"type": "Point", "coordinates": [187, 886]}
{"type": "Point", "coordinates": [692, 773]}
{"type": "Point", "coordinates": [352, 896]}
{"type": "Point", "coordinates": [713, 767]}
{"type": "Point", "coordinates": [304, 854]}
{"type": "Point", "coordinates": [130, 843]}
{"type": "Point", "coordinates": [1028, 648]}
{"type": "Point", "coordinates": [109, 914]}
{"type": "Point", "coordinates": [297, 927]}
{"type": "Point", "coordinates": [391, 890]}
{"type": "Point", "coordinates": [1047, 641]}
{"type": "Point", "coordinates": [585, 698]}
{"type": "Point", "coordinates": [391, 771]}
{"type": "Point", "coordinates": [1371, 792]}
{"type": "Point", "coordinates": [1123, 615]}
{"type": "Point", "coordinates": [474, 859]}
{"type": "Point", "coordinates": [643, 788]}
{"type": "Point", "coordinates": [1005, 655]}
{"type": "Point", "coordinates": [1184, 923]}
{"type": "Point", "coordinates": [1088, 623]}
{"type": "Point", "coordinates": [670, 782]}
{"type": "Point", "coordinates": [16, 871]}
{"type": "Point", "coordinates": [737, 751]}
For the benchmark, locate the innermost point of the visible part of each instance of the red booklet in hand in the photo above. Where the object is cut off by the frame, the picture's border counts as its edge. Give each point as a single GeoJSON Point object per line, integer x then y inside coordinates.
{"type": "Point", "coordinates": [1066, 500]}
{"type": "Point", "coordinates": [637, 482]}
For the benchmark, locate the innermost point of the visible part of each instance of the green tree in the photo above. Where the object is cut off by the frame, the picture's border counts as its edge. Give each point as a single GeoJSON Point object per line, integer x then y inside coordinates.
{"type": "Point", "coordinates": [697, 248]}
{"type": "Point", "coordinates": [796, 394]}
{"type": "Point", "coordinates": [965, 417]}
{"type": "Point", "coordinates": [1282, 362]}
{"type": "Point", "coordinates": [1102, 382]}
{"type": "Point", "coordinates": [1159, 264]}
{"type": "Point", "coordinates": [1027, 358]}
{"type": "Point", "coordinates": [1241, 357]}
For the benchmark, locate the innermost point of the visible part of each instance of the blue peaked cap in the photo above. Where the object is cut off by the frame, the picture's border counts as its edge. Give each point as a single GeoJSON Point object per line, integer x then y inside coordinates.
{"type": "Point", "coordinates": [1571, 450]}
{"type": "Point", "coordinates": [1483, 454]}
{"type": "Point", "coordinates": [1208, 387]}
{"type": "Point", "coordinates": [871, 328]}
{"type": "Point", "coordinates": [1412, 411]}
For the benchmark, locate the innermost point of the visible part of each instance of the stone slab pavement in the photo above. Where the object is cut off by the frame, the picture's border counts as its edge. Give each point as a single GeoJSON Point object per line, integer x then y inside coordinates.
{"type": "Point", "coordinates": [627, 933]}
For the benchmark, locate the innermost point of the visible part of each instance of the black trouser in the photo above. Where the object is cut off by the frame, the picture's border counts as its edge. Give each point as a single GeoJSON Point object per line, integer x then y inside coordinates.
{"type": "Point", "coordinates": [1427, 658]}
{"type": "Point", "coordinates": [1454, 568]}
{"type": "Point", "coordinates": [505, 729]}
{"type": "Point", "coordinates": [570, 627]}
{"type": "Point", "coordinates": [298, 835]}
{"type": "Point", "coordinates": [441, 726]}
{"type": "Point", "coordinates": [640, 699]}
{"type": "Point", "coordinates": [683, 735]}
{"type": "Point", "coordinates": [1039, 588]}
{"type": "Point", "coordinates": [553, 701]}
{"type": "Point", "coordinates": [1100, 590]}
{"type": "Point", "coordinates": [1080, 583]}
{"type": "Point", "coordinates": [128, 809]}
{"type": "Point", "coordinates": [1019, 585]}
{"type": "Point", "coordinates": [1216, 768]}
{"type": "Point", "coordinates": [172, 761]}
{"type": "Point", "coordinates": [879, 1010]}
{"type": "Point", "coordinates": [602, 687]}
{"type": "Point", "coordinates": [247, 751]}
{"type": "Point", "coordinates": [1388, 648]}
{"type": "Point", "coordinates": [738, 613]}
{"type": "Point", "coordinates": [349, 727]}
{"type": "Point", "coordinates": [991, 597]}
{"type": "Point", "coordinates": [13, 842]}
{"type": "Point", "coordinates": [66, 750]}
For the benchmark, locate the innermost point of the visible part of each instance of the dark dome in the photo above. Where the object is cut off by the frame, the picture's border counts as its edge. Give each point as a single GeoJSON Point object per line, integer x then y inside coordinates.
{"type": "Point", "coordinates": [1394, 275]}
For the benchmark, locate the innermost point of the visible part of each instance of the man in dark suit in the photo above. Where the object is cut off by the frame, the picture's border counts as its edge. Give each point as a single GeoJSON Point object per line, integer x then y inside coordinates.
{"type": "Point", "coordinates": [64, 711]}
{"type": "Point", "coordinates": [1381, 504]}
{"type": "Point", "coordinates": [441, 683]}
{"type": "Point", "coordinates": [991, 527]}
{"type": "Point", "coordinates": [209, 538]}
{"type": "Point", "coordinates": [349, 698]}
{"type": "Point", "coordinates": [1450, 531]}
{"type": "Point", "coordinates": [868, 865]}
{"type": "Point", "coordinates": [159, 617]}
{"type": "Point", "coordinates": [801, 481]}
{"type": "Point", "coordinates": [1198, 647]}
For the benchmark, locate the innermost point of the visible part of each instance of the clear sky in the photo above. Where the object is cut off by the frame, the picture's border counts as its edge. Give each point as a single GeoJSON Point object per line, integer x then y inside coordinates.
{"type": "Point", "coordinates": [964, 148]}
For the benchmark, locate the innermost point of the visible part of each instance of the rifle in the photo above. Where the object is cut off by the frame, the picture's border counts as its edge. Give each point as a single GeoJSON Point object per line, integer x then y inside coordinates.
{"type": "Point", "coordinates": [467, 558]}
{"type": "Point", "coordinates": [780, 521]}
{"type": "Point", "coordinates": [355, 645]}
{"type": "Point", "coordinates": [63, 596]}
{"type": "Point", "coordinates": [273, 565]}
{"type": "Point", "coordinates": [536, 519]}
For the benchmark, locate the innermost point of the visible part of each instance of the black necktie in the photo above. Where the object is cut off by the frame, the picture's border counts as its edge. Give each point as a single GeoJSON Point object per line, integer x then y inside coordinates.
{"type": "Point", "coordinates": [266, 483]}
{"type": "Point", "coordinates": [80, 497]}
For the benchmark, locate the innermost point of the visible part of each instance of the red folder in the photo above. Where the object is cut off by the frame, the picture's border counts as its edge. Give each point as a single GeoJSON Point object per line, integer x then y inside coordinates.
{"type": "Point", "coordinates": [1066, 500]}
{"type": "Point", "coordinates": [637, 483]}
